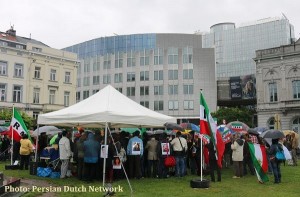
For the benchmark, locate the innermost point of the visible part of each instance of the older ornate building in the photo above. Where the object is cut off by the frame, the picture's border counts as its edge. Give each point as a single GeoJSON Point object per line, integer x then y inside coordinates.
{"type": "Point", "coordinates": [278, 86]}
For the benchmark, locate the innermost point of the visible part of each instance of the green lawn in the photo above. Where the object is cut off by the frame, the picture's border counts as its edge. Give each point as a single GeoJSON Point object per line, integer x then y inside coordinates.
{"type": "Point", "coordinates": [246, 186]}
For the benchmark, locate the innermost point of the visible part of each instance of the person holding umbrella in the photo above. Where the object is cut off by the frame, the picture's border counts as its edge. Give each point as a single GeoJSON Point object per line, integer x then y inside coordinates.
{"type": "Point", "coordinates": [275, 163]}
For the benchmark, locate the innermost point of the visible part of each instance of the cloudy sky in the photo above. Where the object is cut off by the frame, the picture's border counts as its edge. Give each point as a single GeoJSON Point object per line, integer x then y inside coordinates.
{"type": "Point", "coordinates": [61, 23]}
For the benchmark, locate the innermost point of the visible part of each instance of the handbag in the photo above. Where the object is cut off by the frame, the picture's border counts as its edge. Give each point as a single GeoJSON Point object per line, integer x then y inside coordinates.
{"type": "Point", "coordinates": [170, 161]}
{"type": "Point", "coordinates": [280, 155]}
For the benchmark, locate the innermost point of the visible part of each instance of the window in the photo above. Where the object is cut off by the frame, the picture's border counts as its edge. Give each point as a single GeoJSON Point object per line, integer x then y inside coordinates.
{"type": "Point", "coordinates": [271, 123]}
{"type": "Point", "coordinates": [3, 68]}
{"type": "Point", "coordinates": [144, 76]}
{"type": "Point", "coordinates": [17, 94]}
{"type": "Point", "coordinates": [144, 90]}
{"type": "Point", "coordinates": [36, 95]}
{"type": "Point", "coordinates": [79, 69]}
{"type": "Point", "coordinates": [18, 70]}
{"type": "Point", "coordinates": [78, 82]}
{"type": "Point", "coordinates": [95, 91]}
{"type": "Point", "coordinates": [52, 75]}
{"type": "Point", "coordinates": [66, 99]}
{"type": "Point", "coordinates": [296, 89]}
{"type": "Point", "coordinates": [96, 66]}
{"type": "Point", "coordinates": [106, 79]}
{"type": "Point", "coordinates": [173, 105]}
{"type": "Point", "coordinates": [52, 96]}
{"type": "Point", "coordinates": [120, 89]}
{"type": "Point", "coordinates": [158, 90]}
{"type": "Point", "coordinates": [173, 74]}
{"type": "Point", "coordinates": [145, 103]}
{"type": "Point", "coordinates": [77, 97]}
{"type": "Point", "coordinates": [118, 78]}
{"type": "Point", "coordinates": [3, 43]}
{"type": "Point", "coordinates": [36, 49]}
{"type": "Point", "coordinates": [37, 72]}
{"type": "Point", "coordinates": [144, 57]}
{"type": "Point", "coordinates": [106, 62]}
{"type": "Point", "coordinates": [173, 56]}
{"type": "Point", "coordinates": [35, 115]}
{"type": "Point", "coordinates": [2, 92]}
{"type": "Point", "coordinates": [273, 92]}
{"type": "Point", "coordinates": [130, 59]}
{"type": "Point", "coordinates": [173, 89]}
{"type": "Point", "coordinates": [187, 73]}
{"type": "Point", "coordinates": [86, 67]}
{"type": "Point", "coordinates": [96, 80]}
{"type": "Point", "coordinates": [296, 125]}
{"type": "Point", "coordinates": [187, 55]}
{"type": "Point", "coordinates": [67, 77]}
{"type": "Point", "coordinates": [130, 91]}
{"type": "Point", "coordinates": [188, 105]}
{"type": "Point", "coordinates": [119, 60]}
{"type": "Point", "coordinates": [158, 75]}
{"type": "Point", "coordinates": [158, 105]}
{"type": "Point", "coordinates": [188, 89]}
{"type": "Point", "coordinates": [19, 46]}
{"type": "Point", "coordinates": [130, 77]}
{"type": "Point", "coordinates": [86, 94]}
{"type": "Point", "coordinates": [158, 56]}
{"type": "Point", "coordinates": [86, 81]}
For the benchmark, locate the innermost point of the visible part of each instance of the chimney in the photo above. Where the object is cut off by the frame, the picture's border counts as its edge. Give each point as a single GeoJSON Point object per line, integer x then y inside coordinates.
{"type": "Point", "coordinates": [11, 31]}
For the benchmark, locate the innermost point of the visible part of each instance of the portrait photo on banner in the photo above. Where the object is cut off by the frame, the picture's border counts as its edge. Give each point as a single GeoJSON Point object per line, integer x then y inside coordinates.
{"type": "Point", "coordinates": [136, 148]}
{"type": "Point", "coordinates": [104, 151]}
{"type": "Point", "coordinates": [116, 163]}
{"type": "Point", "coordinates": [165, 148]}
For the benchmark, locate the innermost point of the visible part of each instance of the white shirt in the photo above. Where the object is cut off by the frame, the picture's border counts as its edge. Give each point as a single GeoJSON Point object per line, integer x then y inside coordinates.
{"type": "Point", "coordinates": [64, 148]}
{"type": "Point", "coordinates": [176, 144]}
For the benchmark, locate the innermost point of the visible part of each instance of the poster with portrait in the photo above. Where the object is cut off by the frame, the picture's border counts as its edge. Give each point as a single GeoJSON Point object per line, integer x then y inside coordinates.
{"type": "Point", "coordinates": [165, 148]}
{"type": "Point", "coordinates": [104, 151]}
{"type": "Point", "coordinates": [249, 86]}
{"type": "Point", "coordinates": [136, 148]}
{"type": "Point", "coordinates": [117, 163]}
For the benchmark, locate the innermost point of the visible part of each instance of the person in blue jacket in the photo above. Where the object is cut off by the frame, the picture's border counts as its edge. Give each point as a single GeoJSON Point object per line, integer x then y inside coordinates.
{"type": "Point", "coordinates": [135, 151]}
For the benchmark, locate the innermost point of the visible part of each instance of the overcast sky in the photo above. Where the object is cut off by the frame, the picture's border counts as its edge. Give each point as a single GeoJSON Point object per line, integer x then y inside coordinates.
{"type": "Point", "coordinates": [62, 23]}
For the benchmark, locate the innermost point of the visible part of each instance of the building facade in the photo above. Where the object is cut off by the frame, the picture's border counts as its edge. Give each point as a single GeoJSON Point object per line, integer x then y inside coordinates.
{"type": "Point", "coordinates": [235, 46]}
{"type": "Point", "coordinates": [278, 87]}
{"type": "Point", "coordinates": [163, 72]}
{"type": "Point", "coordinates": [34, 77]}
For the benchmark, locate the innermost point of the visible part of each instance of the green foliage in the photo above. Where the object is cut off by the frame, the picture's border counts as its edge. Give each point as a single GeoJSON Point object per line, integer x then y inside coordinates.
{"type": "Point", "coordinates": [234, 113]}
{"type": "Point", "coordinates": [6, 114]}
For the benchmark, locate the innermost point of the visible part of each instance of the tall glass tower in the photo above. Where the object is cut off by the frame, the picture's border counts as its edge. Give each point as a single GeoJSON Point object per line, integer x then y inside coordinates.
{"type": "Point", "coordinates": [235, 46]}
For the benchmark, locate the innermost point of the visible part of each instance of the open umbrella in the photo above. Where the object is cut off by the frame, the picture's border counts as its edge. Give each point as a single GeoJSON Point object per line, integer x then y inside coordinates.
{"type": "Point", "coordinates": [49, 130]}
{"type": "Point", "coordinates": [252, 131]}
{"type": "Point", "coordinates": [273, 134]}
{"type": "Point", "coordinates": [225, 132]}
{"type": "Point", "coordinates": [190, 126]}
{"type": "Point", "coordinates": [260, 130]}
{"type": "Point", "coordinates": [173, 126]}
{"type": "Point", "coordinates": [130, 130]}
{"type": "Point", "coordinates": [237, 126]}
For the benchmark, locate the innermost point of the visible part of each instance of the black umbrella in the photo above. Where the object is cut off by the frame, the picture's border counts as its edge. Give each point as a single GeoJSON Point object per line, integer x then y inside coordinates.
{"type": "Point", "coordinates": [173, 126]}
{"type": "Point", "coordinates": [252, 131]}
{"type": "Point", "coordinates": [273, 134]}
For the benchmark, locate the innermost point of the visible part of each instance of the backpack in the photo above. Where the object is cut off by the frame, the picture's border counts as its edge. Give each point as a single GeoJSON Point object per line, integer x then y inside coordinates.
{"type": "Point", "coordinates": [122, 155]}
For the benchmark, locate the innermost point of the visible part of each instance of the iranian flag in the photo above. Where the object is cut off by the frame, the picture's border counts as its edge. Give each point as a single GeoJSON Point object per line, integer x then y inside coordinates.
{"type": "Point", "coordinates": [209, 127]}
{"type": "Point", "coordinates": [17, 127]}
{"type": "Point", "coordinates": [260, 162]}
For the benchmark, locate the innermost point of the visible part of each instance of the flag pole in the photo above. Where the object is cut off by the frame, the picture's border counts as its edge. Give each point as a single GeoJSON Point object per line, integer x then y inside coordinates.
{"type": "Point", "coordinates": [12, 138]}
{"type": "Point", "coordinates": [201, 149]}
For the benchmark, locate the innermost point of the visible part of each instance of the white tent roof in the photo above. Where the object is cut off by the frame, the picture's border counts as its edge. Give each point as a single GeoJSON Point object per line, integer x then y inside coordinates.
{"type": "Point", "coordinates": [107, 105]}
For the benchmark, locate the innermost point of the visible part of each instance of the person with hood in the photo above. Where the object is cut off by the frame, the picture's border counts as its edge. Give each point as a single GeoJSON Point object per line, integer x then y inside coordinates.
{"type": "Point", "coordinates": [237, 147]}
{"type": "Point", "coordinates": [275, 164]}
{"type": "Point", "coordinates": [79, 155]}
{"type": "Point", "coordinates": [91, 150]}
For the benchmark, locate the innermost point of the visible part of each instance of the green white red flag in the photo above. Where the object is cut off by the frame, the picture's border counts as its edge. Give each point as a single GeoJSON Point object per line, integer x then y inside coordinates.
{"type": "Point", "coordinates": [17, 127]}
{"type": "Point", "coordinates": [209, 127]}
{"type": "Point", "coordinates": [260, 161]}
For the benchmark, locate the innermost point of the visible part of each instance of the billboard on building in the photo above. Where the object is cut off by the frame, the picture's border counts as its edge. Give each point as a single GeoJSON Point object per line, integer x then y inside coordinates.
{"type": "Point", "coordinates": [249, 87]}
{"type": "Point", "coordinates": [235, 88]}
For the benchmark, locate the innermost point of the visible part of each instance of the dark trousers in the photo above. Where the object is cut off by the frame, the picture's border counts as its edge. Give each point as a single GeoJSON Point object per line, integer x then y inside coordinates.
{"type": "Point", "coordinates": [238, 168]}
{"type": "Point", "coordinates": [134, 162]}
{"type": "Point", "coordinates": [162, 169]}
{"type": "Point", "coordinates": [152, 168]}
{"type": "Point", "coordinates": [80, 168]}
{"type": "Point", "coordinates": [276, 171]}
{"type": "Point", "coordinates": [90, 171]}
{"type": "Point", "coordinates": [248, 162]}
{"type": "Point", "coordinates": [24, 161]}
{"type": "Point", "coordinates": [213, 166]}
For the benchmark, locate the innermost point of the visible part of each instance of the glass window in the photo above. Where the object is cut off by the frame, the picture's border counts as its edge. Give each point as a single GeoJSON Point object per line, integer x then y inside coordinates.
{"type": "Point", "coordinates": [144, 58]}
{"type": "Point", "coordinates": [158, 56]}
{"type": "Point", "coordinates": [52, 96]}
{"type": "Point", "coordinates": [187, 73]}
{"type": "Point", "coordinates": [119, 60]}
{"type": "Point", "coordinates": [3, 68]}
{"type": "Point", "coordinates": [144, 90]}
{"type": "Point", "coordinates": [37, 72]}
{"type": "Point", "coordinates": [158, 105]}
{"type": "Point", "coordinates": [17, 94]}
{"type": "Point", "coordinates": [106, 62]}
{"type": "Point", "coordinates": [86, 81]}
{"type": "Point", "coordinates": [158, 75]}
{"type": "Point", "coordinates": [95, 91]}
{"type": "Point", "coordinates": [130, 59]}
{"type": "Point", "coordinates": [173, 56]}
{"type": "Point", "coordinates": [106, 79]}
{"type": "Point", "coordinates": [296, 89]}
{"type": "Point", "coordinates": [130, 77]}
{"type": "Point", "coordinates": [86, 67]}
{"type": "Point", "coordinates": [79, 82]}
{"type": "Point", "coordinates": [118, 78]}
{"type": "Point", "coordinates": [18, 70]}
{"type": "Point", "coordinates": [66, 99]}
{"type": "Point", "coordinates": [158, 90]}
{"type": "Point", "coordinates": [145, 103]}
{"type": "Point", "coordinates": [3, 92]}
{"type": "Point", "coordinates": [67, 77]}
{"type": "Point", "coordinates": [273, 92]}
{"type": "Point", "coordinates": [173, 105]}
{"type": "Point", "coordinates": [96, 66]}
{"type": "Point", "coordinates": [144, 76]}
{"type": "Point", "coordinates": [187, 55]}
{"type": "Point", "coordinates": [96, 80]}
{"type": "Point", "coordinates": [130, 91]}
{"type": "Point", "coordinates": [271, 123]}
{"type": "Point", "coordinates": [173, 74]}
{"type": "Point", "coordinates": [35, 115]}
{"type": "Point", "coordinates": [52, 75]}
{"type": "Point", "coordinates": [296, 125]}
{"type": "Point", "coordinates": [120, 89]}
{"type": "Point", "coordinates": [188, 89]}
{"type": "Point", "coordinates": [36, 95]}
{"type": "Point", "coordinates": [86, 94]}
{"type": "Point", "coordinates": [188, 105]}
{"type": "Point", "coordinates": [78, 96]}
{"type": "Point", "coordinates": [173, 89]}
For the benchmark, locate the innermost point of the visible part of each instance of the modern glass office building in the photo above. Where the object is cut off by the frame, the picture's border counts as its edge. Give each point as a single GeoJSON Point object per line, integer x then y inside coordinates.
{"type": "Point", "coordinates": [235, 46]}
{"type": "Point", "coordinates": [163, 72]}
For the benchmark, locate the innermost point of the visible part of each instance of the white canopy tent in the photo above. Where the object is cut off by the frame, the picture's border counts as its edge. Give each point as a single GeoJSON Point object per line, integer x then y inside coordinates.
{"type": "Point", "coordinates": [106, 108]}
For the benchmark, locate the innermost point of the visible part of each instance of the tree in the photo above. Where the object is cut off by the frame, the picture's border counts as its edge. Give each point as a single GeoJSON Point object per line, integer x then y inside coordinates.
{"type": "Point", "coordinates": [6, 114]}
{"type": "Point", "coordinates": [234, 113]}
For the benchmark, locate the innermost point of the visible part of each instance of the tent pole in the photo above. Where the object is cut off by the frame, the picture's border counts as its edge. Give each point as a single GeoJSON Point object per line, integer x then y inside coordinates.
{"type": "Point", "coordinates": [104, 159]}
{"type": "Point", "coordinates": [37, 142]}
